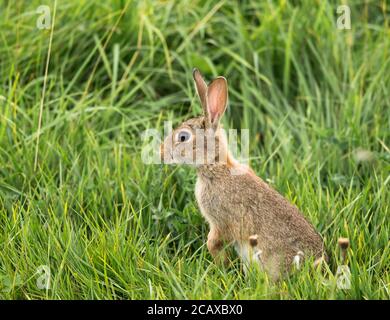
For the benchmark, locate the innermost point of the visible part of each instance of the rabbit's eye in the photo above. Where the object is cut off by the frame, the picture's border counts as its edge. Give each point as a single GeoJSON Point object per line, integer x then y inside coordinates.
{"type": "Point", "coordinates": [183, 136]}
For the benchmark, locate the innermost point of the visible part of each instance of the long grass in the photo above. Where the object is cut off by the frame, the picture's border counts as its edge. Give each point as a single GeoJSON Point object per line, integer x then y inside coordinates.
{"type": "Point", "coordinates": [316, 100]}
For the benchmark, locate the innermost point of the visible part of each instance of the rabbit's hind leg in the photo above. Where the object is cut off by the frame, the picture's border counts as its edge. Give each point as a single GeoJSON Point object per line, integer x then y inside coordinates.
{"type": "Point", "coordinates": [249, 252]}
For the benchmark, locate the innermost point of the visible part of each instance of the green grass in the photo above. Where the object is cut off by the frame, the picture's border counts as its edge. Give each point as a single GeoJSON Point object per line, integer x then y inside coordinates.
{"type": "Point", "coordinates": [110, 226]}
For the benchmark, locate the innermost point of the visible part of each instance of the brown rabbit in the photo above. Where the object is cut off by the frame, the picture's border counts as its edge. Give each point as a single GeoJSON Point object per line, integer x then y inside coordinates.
{"type": "Point", "coordinates": [239, 206]}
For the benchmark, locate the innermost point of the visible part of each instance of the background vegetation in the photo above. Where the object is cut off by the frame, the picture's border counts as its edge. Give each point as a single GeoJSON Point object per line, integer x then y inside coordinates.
{"type": "Point", "coordinates": [315, 99]}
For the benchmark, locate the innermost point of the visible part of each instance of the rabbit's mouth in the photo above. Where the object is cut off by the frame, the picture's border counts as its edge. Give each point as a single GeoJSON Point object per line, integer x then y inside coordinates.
{"type": "Point", "coordinates": [171, 159]}
{"type": "Point", "coordinates": [166, 156]}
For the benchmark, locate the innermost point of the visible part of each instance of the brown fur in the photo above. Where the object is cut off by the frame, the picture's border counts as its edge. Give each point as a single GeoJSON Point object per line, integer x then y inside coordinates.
{"type": "Point", "coordinates": [242, 206]}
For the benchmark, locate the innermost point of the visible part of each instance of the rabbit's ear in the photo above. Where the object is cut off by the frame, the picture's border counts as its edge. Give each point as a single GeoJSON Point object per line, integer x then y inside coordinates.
{"type": "Point", "coordinates": [217, 98]}
{"type": "Point", "coordinates": [201, 89]}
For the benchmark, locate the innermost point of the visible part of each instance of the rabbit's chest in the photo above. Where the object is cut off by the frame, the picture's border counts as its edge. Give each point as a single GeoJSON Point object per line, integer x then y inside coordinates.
{"type": "Point", "coordinates": [212, 202]}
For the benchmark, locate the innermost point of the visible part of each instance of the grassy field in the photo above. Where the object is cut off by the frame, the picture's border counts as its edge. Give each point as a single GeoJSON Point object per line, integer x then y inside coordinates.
{"type": "Point", "coordinates": [76, 198]}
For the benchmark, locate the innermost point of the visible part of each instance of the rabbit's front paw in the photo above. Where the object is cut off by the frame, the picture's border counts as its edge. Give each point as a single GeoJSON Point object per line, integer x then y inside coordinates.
{"type": "Point", "coordinates": [215, 244]}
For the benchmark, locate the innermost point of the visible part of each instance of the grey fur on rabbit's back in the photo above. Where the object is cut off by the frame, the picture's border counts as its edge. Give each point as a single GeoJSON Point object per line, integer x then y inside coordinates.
{"type": "Point", "coordinates": [239, 206]}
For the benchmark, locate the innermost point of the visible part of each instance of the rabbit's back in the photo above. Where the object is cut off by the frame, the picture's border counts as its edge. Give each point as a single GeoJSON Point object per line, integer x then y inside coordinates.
{"type": "Point", "coordinates": [243, 205]}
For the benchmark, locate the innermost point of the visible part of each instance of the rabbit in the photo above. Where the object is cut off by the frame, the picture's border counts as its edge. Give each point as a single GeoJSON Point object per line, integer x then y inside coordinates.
{"type": "Point", "coordinates": [240, 208]}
